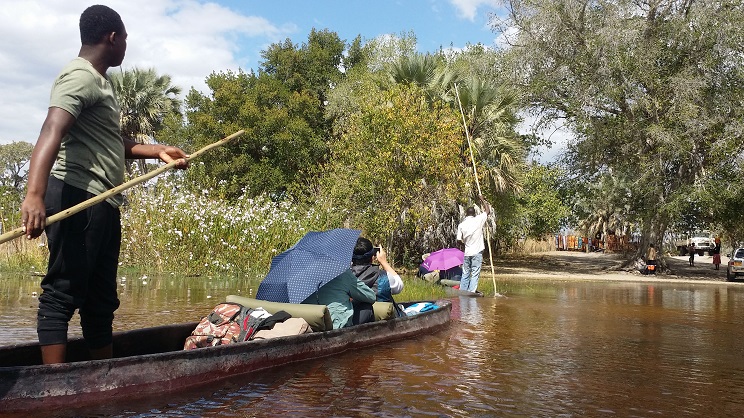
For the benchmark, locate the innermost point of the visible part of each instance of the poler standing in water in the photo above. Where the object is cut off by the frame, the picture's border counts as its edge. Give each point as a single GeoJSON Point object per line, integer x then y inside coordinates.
{"type": "Point", "coordinates": [80, 154]}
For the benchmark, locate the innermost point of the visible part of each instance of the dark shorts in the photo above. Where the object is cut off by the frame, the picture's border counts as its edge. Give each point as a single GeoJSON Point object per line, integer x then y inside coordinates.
{"type": "Point", "coordinates": [83, 261]}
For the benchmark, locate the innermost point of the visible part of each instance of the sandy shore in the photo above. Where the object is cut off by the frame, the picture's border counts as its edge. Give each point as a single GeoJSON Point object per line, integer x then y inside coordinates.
{"type": "Point", "coordinates": [574, 265]}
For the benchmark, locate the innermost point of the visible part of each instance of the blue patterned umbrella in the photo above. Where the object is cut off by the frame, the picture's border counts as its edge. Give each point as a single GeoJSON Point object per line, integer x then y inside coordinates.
{"type": "Point", "coordinates": [301, 270]}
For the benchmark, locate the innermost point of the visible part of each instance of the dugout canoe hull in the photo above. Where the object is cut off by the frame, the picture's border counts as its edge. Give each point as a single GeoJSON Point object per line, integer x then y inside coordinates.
{"type": "Point", "coordinates": [451, 291]}
{"type": "Point", "coordinates": [151, 361]}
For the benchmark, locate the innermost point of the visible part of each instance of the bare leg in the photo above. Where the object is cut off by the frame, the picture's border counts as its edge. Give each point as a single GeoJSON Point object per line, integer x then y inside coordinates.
{"type": "Point", "coordinates": [54, 353]}
{"type": "Point", "coordinates": [102, 353]}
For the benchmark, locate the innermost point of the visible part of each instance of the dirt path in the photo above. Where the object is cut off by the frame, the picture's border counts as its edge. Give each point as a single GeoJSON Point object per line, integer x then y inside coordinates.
{"type": "Point", "coordinates": [600, 266]}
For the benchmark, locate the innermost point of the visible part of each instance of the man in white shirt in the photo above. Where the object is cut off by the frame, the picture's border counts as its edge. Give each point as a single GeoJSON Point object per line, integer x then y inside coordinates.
{"type": "Point", "coordinates": [470, 233]}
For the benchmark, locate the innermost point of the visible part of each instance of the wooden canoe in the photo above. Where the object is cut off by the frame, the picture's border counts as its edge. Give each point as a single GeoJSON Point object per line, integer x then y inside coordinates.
{"type": "Point", "coordinates": [451, 291]}
{"type": "Point", "coordinates": [151, 361]}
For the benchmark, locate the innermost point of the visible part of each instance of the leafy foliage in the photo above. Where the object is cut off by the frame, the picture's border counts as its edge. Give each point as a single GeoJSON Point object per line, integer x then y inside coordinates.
{"type": "Point", "coordinates": [395, 166]}
{"type": "Point", "coordinates": [14, 158]}
{"type": "Point", "coordinates": [543, 212]}
{"type": "Point", "coordinates": [653, 91]}
{"type": "Point", "coordinates": [280, 107]}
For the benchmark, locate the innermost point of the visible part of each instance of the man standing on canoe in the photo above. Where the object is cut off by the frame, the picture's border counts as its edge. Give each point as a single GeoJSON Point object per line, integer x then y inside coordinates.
{"type": "Point", "coordinates": [80, 154]}
{"type": "Point", "coordinates": [470, 233]}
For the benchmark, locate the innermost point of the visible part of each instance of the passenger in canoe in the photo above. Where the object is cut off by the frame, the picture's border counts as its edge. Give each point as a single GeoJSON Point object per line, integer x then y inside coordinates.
{"type": "Point", "coordinates": [381, 278]}
{"type": "Point", "coordinates": [338, 294]}
{"type": "Point", "coordinates": [80, 154]}
{"type": "Point", "coordinates": [452, 274]}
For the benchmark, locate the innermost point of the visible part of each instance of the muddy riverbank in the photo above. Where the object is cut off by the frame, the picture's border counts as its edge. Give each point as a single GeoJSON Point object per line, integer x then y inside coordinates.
{"type": "Point", "coordinates": [602, 266]}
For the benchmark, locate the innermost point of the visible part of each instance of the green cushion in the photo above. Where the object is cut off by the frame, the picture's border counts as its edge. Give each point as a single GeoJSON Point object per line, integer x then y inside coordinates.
{"type": "Point", "coordinates": [383, 311]}
{"type": "Point", "coordinates": [316, 315]}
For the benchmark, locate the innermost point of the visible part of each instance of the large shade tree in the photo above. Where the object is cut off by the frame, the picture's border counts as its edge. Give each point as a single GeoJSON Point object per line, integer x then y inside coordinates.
{"type": "Point", "coordinates": [281, 107]}
{"type": "Point", "coordinates": [653, 90]}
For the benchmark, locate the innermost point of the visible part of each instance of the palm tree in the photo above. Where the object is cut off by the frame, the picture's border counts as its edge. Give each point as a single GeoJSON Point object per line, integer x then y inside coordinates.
{"type": "Point", "coordinates": [426, 71]}
{"type": "Point", "coordinates": [145, 100]}
{"type": "Point", "coordinates": [489, 119]}
{"type": "Point", "coordinates": [417, 69]}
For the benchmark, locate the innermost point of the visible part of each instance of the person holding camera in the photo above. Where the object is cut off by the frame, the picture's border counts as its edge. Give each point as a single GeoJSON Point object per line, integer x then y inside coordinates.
{"type": "Point", "coordinates": [381, 278]}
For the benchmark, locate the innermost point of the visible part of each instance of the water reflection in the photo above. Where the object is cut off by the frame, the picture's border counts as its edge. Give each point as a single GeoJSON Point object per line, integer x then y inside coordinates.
{"type": "Point", "coordinates": [145, 301]}
{"type": "Point", "coordinates": [546, 349]}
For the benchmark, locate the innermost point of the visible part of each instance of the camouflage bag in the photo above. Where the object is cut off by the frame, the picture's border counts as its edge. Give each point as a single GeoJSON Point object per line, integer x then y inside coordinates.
{"type": "Point", "coordinates": [228, 323]}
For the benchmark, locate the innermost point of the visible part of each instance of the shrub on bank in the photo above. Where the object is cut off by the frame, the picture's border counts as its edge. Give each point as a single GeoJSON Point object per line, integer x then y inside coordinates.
{"type": "Point", "coordinates": [169, 228]}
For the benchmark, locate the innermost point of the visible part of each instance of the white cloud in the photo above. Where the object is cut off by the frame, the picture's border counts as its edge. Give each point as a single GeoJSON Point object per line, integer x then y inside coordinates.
{"type": "Point", "coordinates": [186, 39]}
{"type": "Point", "coordinates": [557, 135]}
{"type": "Point", "coordinates": [469, 8]}
{"type": "Point", "coordinates": [503, 41]}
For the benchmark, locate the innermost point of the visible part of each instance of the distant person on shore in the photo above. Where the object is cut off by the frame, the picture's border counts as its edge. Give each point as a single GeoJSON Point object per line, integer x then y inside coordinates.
{"type": "Point", "coordinates": [651, 259]}
{"type": "Point", "coordinates": [691, 250]}
{"type": "Point", "coordinates": [717, 253]}
{"type": "Point", "coordinates": [470, 234]}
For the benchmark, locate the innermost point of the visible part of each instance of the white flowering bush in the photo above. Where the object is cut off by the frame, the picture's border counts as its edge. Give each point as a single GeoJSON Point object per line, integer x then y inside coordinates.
{"type": "Point", "coordinates": [165, 227]}
{"type": "Point", "coordinates": [19, 253]}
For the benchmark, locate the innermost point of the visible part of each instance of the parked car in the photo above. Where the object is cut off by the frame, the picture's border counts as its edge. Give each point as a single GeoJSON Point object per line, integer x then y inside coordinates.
{"type": "Point", "coordinates": [735, 264]}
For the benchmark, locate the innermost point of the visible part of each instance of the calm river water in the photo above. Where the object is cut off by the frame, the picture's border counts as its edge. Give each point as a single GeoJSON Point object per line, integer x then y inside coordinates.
{"type": "Point", "coordinates": [546, 349]}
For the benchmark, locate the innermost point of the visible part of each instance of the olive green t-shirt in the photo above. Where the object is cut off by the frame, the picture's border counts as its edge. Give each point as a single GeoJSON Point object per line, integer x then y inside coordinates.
{"type": "Point", "coordinates": [91, 156]}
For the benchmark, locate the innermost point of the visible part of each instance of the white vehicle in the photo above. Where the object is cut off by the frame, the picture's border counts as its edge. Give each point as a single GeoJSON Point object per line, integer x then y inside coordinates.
{"type": "Point", "coordinates": [702, 244]}
{"type": "Point", "coordinates": [735, 264]}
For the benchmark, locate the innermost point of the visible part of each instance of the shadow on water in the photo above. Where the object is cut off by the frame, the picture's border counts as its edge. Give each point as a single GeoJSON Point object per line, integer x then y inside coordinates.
{"type": "Point", "coordinates": [556, 348]}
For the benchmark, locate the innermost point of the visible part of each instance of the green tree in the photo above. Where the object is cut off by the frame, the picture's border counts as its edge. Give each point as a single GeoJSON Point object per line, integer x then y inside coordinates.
{"type": "Point", "coordinates": [393, 167]}
{"type": "Point", "coordinates": [313, 66]}
{"type": "Point", "coordinates": [488, 113]}
{"type": "Point", "coordinates": [651, 89]}
{"type": "Point", "coordinates": [14, 158]}
{"type": "Point", "coordinates": [491, 123]}
{"type": "Point", "coordinates": [146, 99]}
{"type": "Point", "coordinates": [543, 212]}
{"type": "Point", "coordinates": [281, 107]}
{"type": "Point", "coordinates": [281, 139]}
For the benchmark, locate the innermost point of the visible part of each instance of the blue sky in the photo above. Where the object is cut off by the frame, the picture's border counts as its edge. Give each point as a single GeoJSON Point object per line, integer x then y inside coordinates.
{"type": "Point", "coordinates": [436, 23]}
{"type": "Point", "coordinates": [189, 39]}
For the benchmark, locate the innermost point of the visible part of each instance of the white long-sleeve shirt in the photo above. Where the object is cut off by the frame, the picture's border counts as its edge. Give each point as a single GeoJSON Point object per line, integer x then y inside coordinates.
{"type": "Point", "coordinates": [396, 283]}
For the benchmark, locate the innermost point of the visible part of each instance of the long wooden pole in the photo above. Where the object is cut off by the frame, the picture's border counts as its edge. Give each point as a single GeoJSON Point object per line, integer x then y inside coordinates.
{"type": "Point", "coordinates": [19, 232]}
{"type": "Point", "coordinates": [477, 183]}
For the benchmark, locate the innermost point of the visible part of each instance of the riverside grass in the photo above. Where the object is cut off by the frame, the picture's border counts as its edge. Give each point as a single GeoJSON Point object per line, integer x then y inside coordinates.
{"type": "Point", "coordinates": [167, 228]}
